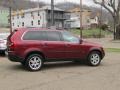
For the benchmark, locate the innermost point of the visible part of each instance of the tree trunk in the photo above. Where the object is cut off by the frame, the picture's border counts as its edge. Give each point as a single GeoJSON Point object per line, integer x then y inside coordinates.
{"type": "Point", "coordinates": [117, 34]}
{"type": "Point", "coordinates": [117, 23]}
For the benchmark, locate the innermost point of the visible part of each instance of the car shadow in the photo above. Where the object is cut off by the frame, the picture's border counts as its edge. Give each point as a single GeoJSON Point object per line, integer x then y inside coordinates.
{"type": "Point", "coordinates": [17, 67]}
{"type": "Point", "coordinates": [2, 55]}
{"type": "Point", "coordinates": [55, 65]}
{"type": "Point", "coordinates": [50, 65]}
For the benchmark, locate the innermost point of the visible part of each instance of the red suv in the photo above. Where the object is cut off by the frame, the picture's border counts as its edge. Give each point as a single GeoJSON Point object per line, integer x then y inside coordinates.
{"type": "Point", "coordinates": [34, 46]}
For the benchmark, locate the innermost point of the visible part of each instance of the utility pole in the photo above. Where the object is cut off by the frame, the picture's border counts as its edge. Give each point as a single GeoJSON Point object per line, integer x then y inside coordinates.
{"type": "Point", "coordinates": [10, 15]}
{"type": "Point", "coordinates": [10, 19]}
{"type": "Point", "coordinates": [52, 12]}
{"type": "Point", "coordinates": [38, 3]}
{"type": "Point", "coordinates": [101, 20]}
{"type": "Point", "coordinates": [81, 26]}
{"type": "Point", "coordinates": [114, 23]}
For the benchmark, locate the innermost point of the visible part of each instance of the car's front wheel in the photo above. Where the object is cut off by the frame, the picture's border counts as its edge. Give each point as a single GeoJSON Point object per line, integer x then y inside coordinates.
{"type": "Point", "coordinates": [34, 62]}
{"type": "Point", "coordinates": [94, 58]}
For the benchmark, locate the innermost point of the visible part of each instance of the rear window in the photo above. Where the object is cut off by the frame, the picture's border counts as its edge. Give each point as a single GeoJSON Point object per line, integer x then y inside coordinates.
{"type": "Point", "coordinates": [34, 35]}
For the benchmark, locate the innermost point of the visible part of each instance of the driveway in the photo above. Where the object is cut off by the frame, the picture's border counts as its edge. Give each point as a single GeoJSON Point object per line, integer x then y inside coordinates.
{"type": "Point", "coordinates": [62, 76]}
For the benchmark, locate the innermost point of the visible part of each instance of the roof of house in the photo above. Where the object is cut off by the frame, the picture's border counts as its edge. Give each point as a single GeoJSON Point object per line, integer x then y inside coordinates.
{"type": "Point", "coordinates": [77, 9]}
{"type": "Point", "coordinates": [93, 15]}
{"type": "Point", "coordinates": [3, 8]}
{"type": "Point", "coordinates": [48, 7]}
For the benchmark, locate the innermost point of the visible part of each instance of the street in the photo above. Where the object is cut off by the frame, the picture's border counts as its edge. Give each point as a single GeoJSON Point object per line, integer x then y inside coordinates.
{"type": "Point", "coordinates": [62, 76]}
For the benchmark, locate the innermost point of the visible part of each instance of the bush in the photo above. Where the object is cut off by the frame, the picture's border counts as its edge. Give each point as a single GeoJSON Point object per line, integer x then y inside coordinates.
{"type": "Point", "coordinates": [104, 26]}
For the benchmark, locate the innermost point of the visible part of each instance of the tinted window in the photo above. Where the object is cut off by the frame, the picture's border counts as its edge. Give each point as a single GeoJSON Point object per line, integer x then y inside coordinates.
{"type": "Point", "coordinates": [53, 36]}
{"type": "Point", "coordinates": [34, 35]}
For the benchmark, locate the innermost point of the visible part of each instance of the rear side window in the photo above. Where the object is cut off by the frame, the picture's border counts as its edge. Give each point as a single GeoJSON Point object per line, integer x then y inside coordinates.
{"type": "Point", "coordinates": [53, 36]}
{"type": "Point", "coordinates": [35, 35]}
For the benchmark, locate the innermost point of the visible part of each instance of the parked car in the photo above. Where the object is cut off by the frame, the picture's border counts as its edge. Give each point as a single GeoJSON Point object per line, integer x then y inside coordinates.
{"type": "Point", "coordinates": [3, 41]}
{"type": "Point", "coordinates": [33, 46]}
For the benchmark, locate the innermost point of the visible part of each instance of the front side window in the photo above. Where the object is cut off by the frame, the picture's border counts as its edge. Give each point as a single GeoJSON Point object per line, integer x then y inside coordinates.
{"type": "Point", "coordinates": [68, 37]}
{"type": "Point", "coordinates": [34, 35]}
{"type": "Point", "coordinates": [53, 36]}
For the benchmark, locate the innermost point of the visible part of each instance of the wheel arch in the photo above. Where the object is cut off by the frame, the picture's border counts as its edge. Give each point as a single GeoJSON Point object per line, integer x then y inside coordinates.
{"type": "Point", "coordinates": [95, 50]}
{"type": "Point", "coordinates": [35, 52]}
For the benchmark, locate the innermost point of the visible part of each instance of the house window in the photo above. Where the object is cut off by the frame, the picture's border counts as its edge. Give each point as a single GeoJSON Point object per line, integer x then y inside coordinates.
{"type": "Point", "coordinates": [13, 17]}
{"type": "Point", "coordinates": [22, 23]}
{"type": "Point", "coordinates": [17, 16]}
{"type": "Point", "coordinates": [88, 21]}
{"type": "Point", "coordinates": [13, 24]}
{"type": "Point", "coordinates": [32, 23]}
{"type": "Point", "coordinates": [31, 14]}
{"type": "Point", "coordinates": [38, 22]}
{"type": "Point", "coordinates": [38, 13]}
{"type": "Point", "coordinates": [23, 15]}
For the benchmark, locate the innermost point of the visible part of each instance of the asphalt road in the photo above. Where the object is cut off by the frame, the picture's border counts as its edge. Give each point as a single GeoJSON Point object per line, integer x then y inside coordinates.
{"type": "Point", "coordinates": [62, 76]}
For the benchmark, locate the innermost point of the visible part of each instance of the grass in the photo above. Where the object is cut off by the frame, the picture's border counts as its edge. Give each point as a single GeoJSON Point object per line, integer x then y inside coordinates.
{"type": "Point", "coordinates": [91, 32]}
{"type": "Point", "coordinates": [113, 50]}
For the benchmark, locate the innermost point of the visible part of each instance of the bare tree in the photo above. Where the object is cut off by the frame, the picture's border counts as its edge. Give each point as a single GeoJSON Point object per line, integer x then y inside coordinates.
{"type": "Point", "coordinates": [113, 7]}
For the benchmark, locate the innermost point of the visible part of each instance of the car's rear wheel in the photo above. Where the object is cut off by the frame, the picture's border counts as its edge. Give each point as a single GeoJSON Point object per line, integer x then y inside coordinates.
{"type": "Point", "coordinates": [94, 58]}
{"type": "Point", "coordinates": [34, 62]}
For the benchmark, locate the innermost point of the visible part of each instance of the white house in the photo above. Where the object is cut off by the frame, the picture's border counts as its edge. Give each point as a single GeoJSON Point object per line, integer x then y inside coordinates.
{"type": "Point", "coordinates": [38, 17]}
{"type": "Point", "coordinates": [74, 21]}
{"type": "Point", "coordinates": [94, 21]}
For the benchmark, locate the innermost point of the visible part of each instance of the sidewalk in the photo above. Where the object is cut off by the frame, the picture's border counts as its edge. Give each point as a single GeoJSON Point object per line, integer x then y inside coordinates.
{"type": "Point", "coordinates": [106, 42]}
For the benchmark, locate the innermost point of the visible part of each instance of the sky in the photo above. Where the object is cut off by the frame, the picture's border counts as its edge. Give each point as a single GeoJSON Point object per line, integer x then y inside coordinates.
{"type": "Point", "coordinates": [88, 2]}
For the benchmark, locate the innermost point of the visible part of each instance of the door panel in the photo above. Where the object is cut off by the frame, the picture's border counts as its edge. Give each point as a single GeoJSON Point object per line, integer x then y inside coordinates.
{"type": "Point", "coordinates": [73, 50]}
{"type": "Point", "coordinates": [54, 49]}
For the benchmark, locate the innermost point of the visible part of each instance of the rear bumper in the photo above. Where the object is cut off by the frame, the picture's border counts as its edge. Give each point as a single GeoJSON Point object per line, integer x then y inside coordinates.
{"type": "Point", "coordinates": [14, 58]}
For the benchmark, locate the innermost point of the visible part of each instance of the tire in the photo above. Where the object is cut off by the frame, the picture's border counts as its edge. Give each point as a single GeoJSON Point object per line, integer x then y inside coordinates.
{"type": "Point", "coordinates": [34, 62]}
{"type": "Point", "coordinates": [94, 58]}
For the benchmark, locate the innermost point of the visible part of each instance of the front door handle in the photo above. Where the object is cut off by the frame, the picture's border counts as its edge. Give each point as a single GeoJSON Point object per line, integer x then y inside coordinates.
{"type": "Point", "coordinates": [45, 44]}
{"type": "Point", "coordinates": [68, 45]}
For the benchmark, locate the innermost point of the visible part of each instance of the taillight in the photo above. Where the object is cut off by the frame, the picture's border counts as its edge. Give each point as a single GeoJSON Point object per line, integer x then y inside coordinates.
{"type": "Point", "coordinates": [10, 44]}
